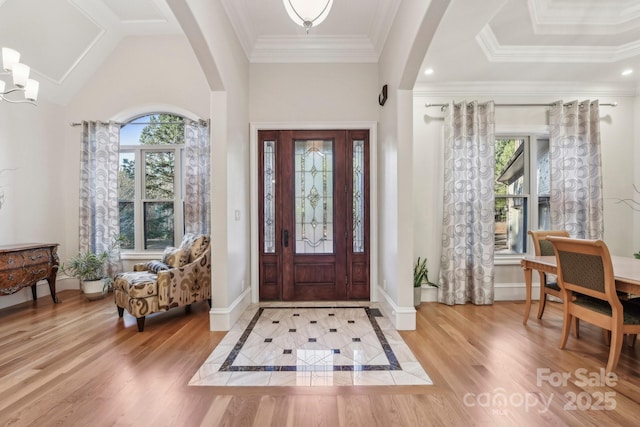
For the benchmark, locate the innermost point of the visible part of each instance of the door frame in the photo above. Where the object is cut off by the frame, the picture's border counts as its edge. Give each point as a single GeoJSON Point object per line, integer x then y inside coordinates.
{"type": "Point", "coordinates": [255, 203]}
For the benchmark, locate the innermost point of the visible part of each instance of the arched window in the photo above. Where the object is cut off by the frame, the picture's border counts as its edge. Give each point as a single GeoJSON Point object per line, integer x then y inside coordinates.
{"type": "Point", "coordinates": [150, 181]}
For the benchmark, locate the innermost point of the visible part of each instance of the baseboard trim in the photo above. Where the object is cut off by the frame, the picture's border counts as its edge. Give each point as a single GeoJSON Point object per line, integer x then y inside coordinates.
{"type": "Point", "coordinates": [502, 292]}
{"type": "Point", "coordinates": [403, 318]}
{"type": "Point", "coordinates": [42, 288]}
{"type": "Point", "coordinates": [222, 319]}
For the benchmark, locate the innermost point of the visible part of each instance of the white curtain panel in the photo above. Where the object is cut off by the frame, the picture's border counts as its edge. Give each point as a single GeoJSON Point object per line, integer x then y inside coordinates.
{"type": "Point", "coordinates": [466, 265]}
{"type": "Point", "coordinates": [576, 169]}
{"type": "Point", "coordinates": [99, 216]}
{"type": "Point", "coordinates": [197, 178]}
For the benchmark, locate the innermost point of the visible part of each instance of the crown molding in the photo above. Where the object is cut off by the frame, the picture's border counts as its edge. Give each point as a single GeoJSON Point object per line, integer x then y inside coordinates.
{"type": "Point", "coordinates": [318, 49]}
{"type": "Point", "coordinates": [239, 17]}
{"type": "Point", "coordinates": [524, 89]}
{"type": "Point", "coordinates": [495, 52]}
{"type": "Point", "coordinates": [587, 17]}
{"type": "Point", "coordinates": [381, 24]}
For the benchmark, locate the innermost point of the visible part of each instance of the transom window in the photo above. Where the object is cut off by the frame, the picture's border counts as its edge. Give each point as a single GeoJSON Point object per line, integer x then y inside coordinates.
{"type": "Point", "coordinates": [150, 189]}
{"type": "Point", "coordinates": [521, 191]}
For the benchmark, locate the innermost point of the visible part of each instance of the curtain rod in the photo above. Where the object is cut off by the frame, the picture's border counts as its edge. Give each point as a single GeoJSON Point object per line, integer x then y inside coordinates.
{"type": "Point", "coordinates": [200, 121]}
{"type": "Point", "coordinates": [444, 106]}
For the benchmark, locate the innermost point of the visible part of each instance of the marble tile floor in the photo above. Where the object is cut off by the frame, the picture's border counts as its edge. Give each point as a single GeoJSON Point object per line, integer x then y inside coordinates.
{"type": "Point", "coordinates": [311, 344]}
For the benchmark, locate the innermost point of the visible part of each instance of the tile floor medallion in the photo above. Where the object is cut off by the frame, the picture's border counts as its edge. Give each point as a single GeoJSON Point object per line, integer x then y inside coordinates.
{"type": "Point", "coordinates": [321, 345]}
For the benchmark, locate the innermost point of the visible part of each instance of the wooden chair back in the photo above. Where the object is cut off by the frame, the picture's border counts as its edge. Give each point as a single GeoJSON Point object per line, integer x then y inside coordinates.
{"type": "Point", "coordinates": [541, 245]}
{"type": "Point", "coordinates": [584, 266]}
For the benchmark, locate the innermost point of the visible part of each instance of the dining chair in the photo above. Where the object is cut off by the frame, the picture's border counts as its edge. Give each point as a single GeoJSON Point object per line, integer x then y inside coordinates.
{"type": "Point", "coordinates": [548, 283]}
{"type": "Point", "coordinates": [588, 289]}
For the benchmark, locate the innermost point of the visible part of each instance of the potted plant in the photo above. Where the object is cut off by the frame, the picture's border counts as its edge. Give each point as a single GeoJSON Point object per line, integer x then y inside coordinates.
{"type": "Point", "coordinates": [92, 269]}
{"type": "Point", "coordinates": [420, 275]}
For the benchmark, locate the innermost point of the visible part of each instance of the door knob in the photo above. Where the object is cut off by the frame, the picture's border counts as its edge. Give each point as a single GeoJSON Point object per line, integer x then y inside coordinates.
{"type": "Point", "coordinates": [286, 238]}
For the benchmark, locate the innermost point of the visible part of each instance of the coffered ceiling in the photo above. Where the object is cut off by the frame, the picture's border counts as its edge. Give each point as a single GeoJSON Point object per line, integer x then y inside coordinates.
{"type": "Point", "coordinates": [573, 41]}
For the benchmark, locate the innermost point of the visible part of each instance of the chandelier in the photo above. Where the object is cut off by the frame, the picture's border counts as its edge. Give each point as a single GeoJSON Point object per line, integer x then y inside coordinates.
{"type": "Point", "coordinates": [308, 13]}
{"type": "Point", "coordinates": [20, 81]}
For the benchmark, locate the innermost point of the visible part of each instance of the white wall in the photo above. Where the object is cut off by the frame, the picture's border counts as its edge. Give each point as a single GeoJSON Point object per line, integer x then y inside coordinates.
{"type": "Point", "coordinates": [313, 96]}
{"type": "Point", "coordinates": [31, 165]}
{"type": "Point", "coordinates": [636, 172]}
{"type": "Point", "coordinates": [617, 136]}
{"type": "Point", "coordinates": [139, 76]}
{"type": "Point", "coordinates": [313, 92]}
{"type": "Point", "coordinates": [227, 70]}
{"type": "Point", "coordinates": [404, 50]}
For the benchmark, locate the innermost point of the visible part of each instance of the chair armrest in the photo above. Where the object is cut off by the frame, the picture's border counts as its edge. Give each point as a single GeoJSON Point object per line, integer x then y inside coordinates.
{"type": "Point", "coordinates": [141, 266]}
{"type": "Point", "coordinates": [184, 285]}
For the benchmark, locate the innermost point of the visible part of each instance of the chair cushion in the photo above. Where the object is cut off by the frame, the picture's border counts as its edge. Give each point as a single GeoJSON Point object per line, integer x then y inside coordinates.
{"type": "Point", "coordinates": [553, 285]}
{"type": "Point", "coordinates": [196, 244]}
{"type": "Point", "coordinates": [631, 311]}
{"type": "Point", "coordinates": [175, 257]}
{"type": "Point", "coordinates": [156, 266]}
{"type": "Point", "coordinates": [137, 284]}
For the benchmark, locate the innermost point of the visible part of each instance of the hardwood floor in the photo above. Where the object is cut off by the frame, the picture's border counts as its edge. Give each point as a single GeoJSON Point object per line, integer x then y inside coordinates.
{"type": "Point", "coordinates": [78, 364]}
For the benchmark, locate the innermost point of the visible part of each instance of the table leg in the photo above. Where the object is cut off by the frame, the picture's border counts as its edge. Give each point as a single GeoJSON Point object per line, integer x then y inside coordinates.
{"type": "Point", "coordinates": [527, 305]}
{"type": "Point", "coordinates": [52, 285]}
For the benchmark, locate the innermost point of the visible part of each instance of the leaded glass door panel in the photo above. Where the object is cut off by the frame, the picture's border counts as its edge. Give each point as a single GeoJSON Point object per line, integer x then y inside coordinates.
{"type": "Point", "coordinates": [313, 229]}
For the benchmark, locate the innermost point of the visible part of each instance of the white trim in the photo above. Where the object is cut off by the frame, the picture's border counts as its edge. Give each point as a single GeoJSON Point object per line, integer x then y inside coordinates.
{"type": "Point", "coordinates": [403, 318]}
{"type": "Point", "coordinates": [140, 256]}
{"type": "Point", "coordinates": [515, 292]}
{"type": "Point", "coordinates": [373, 192]}
{"type": "Point", "coordinates": [146, 109]}
{"type": "Point", "coordinates": [319, 49]}
{"type": "Point", "coordinates": [492, 89]}
{"type": "Point", "coordinates": [522, 130]}
{"type": "Point", "coordinates": [495, 52]}
{"type": "Point", "coordinates": [555, 17]}
{"type": "Point", "coordinates": [502, 292]}
{"type": "Point", "coordinates": [222, 319]}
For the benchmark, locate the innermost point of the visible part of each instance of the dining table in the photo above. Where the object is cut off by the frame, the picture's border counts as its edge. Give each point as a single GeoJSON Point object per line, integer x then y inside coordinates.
{"type": "Point", "coordinates": [626, 271]}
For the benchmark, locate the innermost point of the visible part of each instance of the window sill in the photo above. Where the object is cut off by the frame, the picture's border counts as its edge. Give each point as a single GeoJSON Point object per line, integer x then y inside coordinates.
{"type": "Point", "coordinates": [508, 259]}
{"type": "Point", "coordinates": [140, 256]}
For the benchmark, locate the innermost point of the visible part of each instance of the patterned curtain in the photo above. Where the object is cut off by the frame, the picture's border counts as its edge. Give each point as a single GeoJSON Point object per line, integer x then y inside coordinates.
{"type": "Point", "coordinates": [576, 169]}
{"type": "Point", "coordinates": [466, 266]}
{"type": "Point", "coordinates": [99, 222]}
{"type": "Point", "coordinates": [197, 177]}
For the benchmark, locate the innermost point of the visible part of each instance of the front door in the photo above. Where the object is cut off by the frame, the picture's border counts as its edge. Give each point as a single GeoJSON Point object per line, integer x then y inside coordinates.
{"type": "Point", "coordinates": [314, 215]}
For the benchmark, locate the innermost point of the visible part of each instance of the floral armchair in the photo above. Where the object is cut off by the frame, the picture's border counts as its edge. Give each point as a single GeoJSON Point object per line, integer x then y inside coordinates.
{"type": "Point", "coordinates": [182, 277]}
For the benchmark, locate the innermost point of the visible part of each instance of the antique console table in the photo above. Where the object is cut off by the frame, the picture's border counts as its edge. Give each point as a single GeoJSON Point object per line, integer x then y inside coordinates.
{"type": "Point", "coordinates": [25, 264]}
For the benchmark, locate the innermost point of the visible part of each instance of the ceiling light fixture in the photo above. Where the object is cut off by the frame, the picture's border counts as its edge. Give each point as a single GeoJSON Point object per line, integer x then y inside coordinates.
{"type": "Point", "coordinates": [428, 71]}
{"type": "Point", "coordinates": [20, 79]}
{"type": "Point", "coordinates": [627, 72]}
{"type": "Point", "coordinates": [308, 13]}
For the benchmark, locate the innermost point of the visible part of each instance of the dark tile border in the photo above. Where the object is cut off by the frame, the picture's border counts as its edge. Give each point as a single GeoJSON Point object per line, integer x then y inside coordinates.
{"type": "Point", "coordinates": [393, 365]}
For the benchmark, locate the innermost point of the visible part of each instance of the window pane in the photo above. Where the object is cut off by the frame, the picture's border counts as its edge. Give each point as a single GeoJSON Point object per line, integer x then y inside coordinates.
{"type": "Point", "coordinates": [314, 196]}
{"type": "Point", "coordinates": [152, 130]}
{"type": "Point", "coordinates": [127, 224]}
{"type": "Point", "coordinates": [269, 202]}
{"type": "Point", "coordinates": [544, 187]}
{"type": "Point", "coordinates": [158, 225]}
{"type": "Point", "coordinates": [159, 169]}
{"type": "Point", "coordinates": [126, 197]}
{"type": "Point", "coordinates": [149, 171]}
{"type": "Point", "coordinates": [127, 176]}
{"type": "Point", "coordinates": [510, 167]}
{"type": "Point", "coordinates": [511, 225]}
{"type": "Point", "coordinates": [358, 196]}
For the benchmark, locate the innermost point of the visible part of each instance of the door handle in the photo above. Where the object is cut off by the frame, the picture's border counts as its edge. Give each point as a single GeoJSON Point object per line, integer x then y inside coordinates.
{"type": "Point", "coordinates": [285, 238]}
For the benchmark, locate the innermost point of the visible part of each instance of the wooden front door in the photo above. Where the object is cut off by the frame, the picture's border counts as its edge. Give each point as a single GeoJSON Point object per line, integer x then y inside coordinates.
{"type": "Point", "coordinates": [314, 222]}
